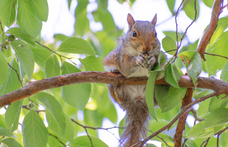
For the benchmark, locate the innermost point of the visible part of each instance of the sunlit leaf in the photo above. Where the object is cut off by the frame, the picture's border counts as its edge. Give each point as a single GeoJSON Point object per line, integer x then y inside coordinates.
{"type": "Point", "coordinates": [173, 34]}
{"type": "Point", "coordinates": [8, 11]}
{"type": "Point", "coordinates": [169, 44]}
{"type": "Point", "coordinates": [35, 134]}
{"type": "Point", "coordinates": [172, 75]}
{"type": "Point", "coordinates": [215, 63]}
{"type": "Point", "coordinates": [189, 8]}
{"type": "Point", "coordinates": [12, 115]}
{"type": "Point", "coordinates": [27, 20]}
{"type": "Point", "coordinates": [10, 142]}
{"type": "Point", "coordinates": [208, 3]}
{"type": "Point", "coordinates": [20, 34]}
{"type": "Point", "coordinates": [170, 4]}
{"type": "Point", "coordinates": [76, 95]}
{"type": "Point", "coordinates": [84, 141]}
{"type": "Point", "coordinates": [54, 107]}
{"type": "Point", "coordinates": [12, 82]}
{"type": "Point", "coordinates": [52, 67]}
{"type": "Point", "coordinates": [77, 46]}
{"type": "Point", "coordinates": [224, 74]}
{"type": "Point", "coordinates": [168, 97]}
{"type": "Point", "coordinates": [150, 94]}
{"type": "Point", "coordinates": [40, 8]}
{"type": "Point", "coordinates": [92, 63]}
{"type": "Point", "coordinates": [216, 117]}
{"type": "Point", "coordinates": [4, 68]}
{"type": "Point", "coordinates": [198, 131]}
{"type": "Point", "coordinates": [5, 132]}
{"type": "Point", "coordinates": [216, 102]}
{"type": "Point", "coordinates": [25, 56]}
{"type": "Point", "coordinates": [68, 135]}
{"type": "Point", "coordinates": [41, 55]}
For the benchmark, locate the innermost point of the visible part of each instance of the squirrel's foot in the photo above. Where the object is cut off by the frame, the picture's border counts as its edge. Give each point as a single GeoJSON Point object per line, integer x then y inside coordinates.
{"type": "Point", "coordinates": [141, 60]}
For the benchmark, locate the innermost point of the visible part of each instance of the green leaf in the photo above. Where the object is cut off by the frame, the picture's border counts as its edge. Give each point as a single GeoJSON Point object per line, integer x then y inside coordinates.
{"type": "Point", "coordinates": [189, 9]}
{"type": "Point", "coordinates": [61, 37]}
{"type": "Point", "coordinates": [105, 17]}
{"type": "Point", "coordinates": [12, 82]}
{"type": "Point", "coordinates": [54, 107]}
{"type": "Point", "coordinates": [76, 95]}
{"type": "Point", "coordinates": [216, 102]}
{"type": "Point", "coordinates": [150, 94]}
{"type": "Point", "coordinates": [2, 122]}
{"type": "Point", "coordinates": [208, 3]}
{"type": "Point", "coordinates": [168, 97]}
{"type": "Point", "coordinates": [25, 56]}
{"type": "Point", "coordinates": [4, 68]}
{"type": "Point", "coordinates": [8, 11]}
{"type": "Point", "coordinates": [12, 115]}
{"type": "Point", "coordinates": [70, 130]}
{"type": "Point", "coordinates": [83, 141]}
{"type": "Point", "coordinates": [216, 117]}
{"type": "Point", "coordinates": [52, 67]}
{"type": "Point", "coordinates": [193, 62]}
{"type": "Point", "coordinates": [92, 63]}
{"type": "Point", "coordinates": [121, 124]}
{"type": "Point", "coordinates": [27, 20]}
{"type": "Point", "coordinates": [41, 55]}
{"type": "Point", "coordinates": [172, 75]}
{"type": "Point", "coordinates": [5, 132]}
{"type": "Point", "coordinates": [198, 131]}
{"type": "Point", "coordinates": [191, 143]}
{"type": "Point", "coordinates": [35, 134]}
{"type": "Point", "coordinates": [215, 63]}
{"type": "Point", "coordinates": [224, 74]}
{"type": "Point", "coordinates": [173, 34]}
{"type": "Point", "coordinates": [10, 142]}
{"type": "Point", "coordinates": [40, 8]}
{"type": "Point", "coordinates": [82, 22]}
{"type": "Point", "coordinates": [77, 46]}
{"type": "Point", "coordinates": [169, 44]}
{"type": "Point", "coordinates": [171, 4]}
{"type": "Point", "coordinates": [20, 34]}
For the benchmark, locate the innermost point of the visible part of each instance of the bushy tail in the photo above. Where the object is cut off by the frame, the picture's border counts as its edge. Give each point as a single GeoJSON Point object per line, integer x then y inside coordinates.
{"type": "Point", "coordinates": [136, 123]}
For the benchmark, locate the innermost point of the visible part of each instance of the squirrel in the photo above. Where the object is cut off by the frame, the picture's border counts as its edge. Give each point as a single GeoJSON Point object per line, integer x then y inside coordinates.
{"type": "Point", "coordinates": [136, 55]}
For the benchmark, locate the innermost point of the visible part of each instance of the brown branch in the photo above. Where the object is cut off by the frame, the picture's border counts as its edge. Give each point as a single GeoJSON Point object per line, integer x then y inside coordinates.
{"type": "Point", "coordinates": [181, 123]}
{"type": "Point", "coordinates": [195, 116]}
{"type": "Point", "coordinates": [219, 86]}
{"type": "Point", "coordinates": [185, 110]}
{"type": "Point", "coordinates": [211, 28]}
{"type": "Point", "coordinates": [57, 139]}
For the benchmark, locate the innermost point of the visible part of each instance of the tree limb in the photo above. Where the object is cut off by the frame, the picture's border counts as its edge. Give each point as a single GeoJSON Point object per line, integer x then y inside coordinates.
{"type": "Point", "coordinates": [219, 86]}
{"type": "Point", "coordinates": [211, 28]}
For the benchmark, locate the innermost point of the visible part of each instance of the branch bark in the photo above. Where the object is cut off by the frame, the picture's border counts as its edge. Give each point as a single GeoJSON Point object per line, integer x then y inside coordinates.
{"type": "Point", "coordinates": [211, 28]}
{"type": "Point", "coordinates": [219, 86]}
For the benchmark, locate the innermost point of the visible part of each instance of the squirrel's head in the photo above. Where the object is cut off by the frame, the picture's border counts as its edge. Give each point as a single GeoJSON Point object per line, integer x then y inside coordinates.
{"type": "Point", "coordinates": [142, 35]}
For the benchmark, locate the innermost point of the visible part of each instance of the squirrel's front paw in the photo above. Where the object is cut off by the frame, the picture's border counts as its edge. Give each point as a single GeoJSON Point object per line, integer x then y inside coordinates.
{"type": "Point", "coordinates": [141, 60]}
{"type": "Point", "coordinates": [151, 60]}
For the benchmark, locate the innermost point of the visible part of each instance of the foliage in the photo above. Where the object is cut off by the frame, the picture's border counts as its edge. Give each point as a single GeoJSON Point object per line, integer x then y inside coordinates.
{"type": "Point", "coordinates": [46, 118]}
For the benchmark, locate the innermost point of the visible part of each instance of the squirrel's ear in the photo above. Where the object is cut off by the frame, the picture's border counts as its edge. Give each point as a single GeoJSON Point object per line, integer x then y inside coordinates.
{"type": "Point", "coordinates": [130, 20]}
{"type": "Point", "coordinates": [154, 20]}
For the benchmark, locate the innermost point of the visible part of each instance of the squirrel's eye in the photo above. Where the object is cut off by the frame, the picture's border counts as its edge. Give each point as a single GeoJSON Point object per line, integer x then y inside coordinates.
{"type": "Point", "coordinates": [155, 35]}
{"type": "Point", "coordinates": [134, 34]}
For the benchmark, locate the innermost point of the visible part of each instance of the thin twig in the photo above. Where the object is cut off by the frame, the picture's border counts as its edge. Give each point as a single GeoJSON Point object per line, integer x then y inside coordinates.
{"type": "Point", "coordinates": [57, 139]}
{"type": "Point", "coordinates": [216, 55]}
{"type": "Point", "coordinates": [195, 115]}
{"type": "Point", "coordinates": [205, 141]}
{"type": "Point", "coordinates": [184, 142]}
{"type": "Point", "coordinates": [16, 73]}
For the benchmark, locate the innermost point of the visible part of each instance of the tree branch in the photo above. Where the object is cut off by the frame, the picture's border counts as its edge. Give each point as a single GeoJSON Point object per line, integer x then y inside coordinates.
{"type": "Point", "coordinates": [211, 28]}
{"type": "Point", "coordinates": [219, 86]}
{"type": "Point", "coordinates": [181, 123]}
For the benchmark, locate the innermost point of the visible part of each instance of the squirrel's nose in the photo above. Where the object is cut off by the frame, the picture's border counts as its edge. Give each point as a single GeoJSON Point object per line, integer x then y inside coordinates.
{"type": "Point", "coordinates": [146, 48]}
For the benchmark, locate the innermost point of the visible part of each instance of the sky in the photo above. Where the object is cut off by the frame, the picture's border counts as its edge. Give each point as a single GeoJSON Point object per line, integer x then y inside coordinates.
{"type": "Point", "coordinates": [61, 20]}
